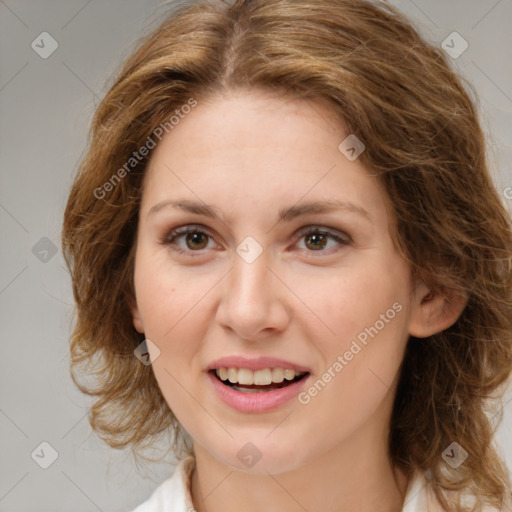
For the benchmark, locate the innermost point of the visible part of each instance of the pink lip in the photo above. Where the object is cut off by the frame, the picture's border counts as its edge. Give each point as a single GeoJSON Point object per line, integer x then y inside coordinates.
{"type": "Point", "coordinates": [255, 402]}
{"type": "Point", "coordinates": [255, 363]}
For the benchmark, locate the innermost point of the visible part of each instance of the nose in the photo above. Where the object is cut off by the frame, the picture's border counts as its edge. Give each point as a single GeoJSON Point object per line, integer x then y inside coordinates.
{"type": "Point", "coordinates": [253, 302]}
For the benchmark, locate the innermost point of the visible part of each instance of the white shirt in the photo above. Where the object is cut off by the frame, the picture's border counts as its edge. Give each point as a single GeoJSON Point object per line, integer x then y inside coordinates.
{"type": "Point", "coordinates": [173, 495]}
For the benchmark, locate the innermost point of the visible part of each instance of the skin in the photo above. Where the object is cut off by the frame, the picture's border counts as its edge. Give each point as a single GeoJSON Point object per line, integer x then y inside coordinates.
{"type": "Point", "coordinates": [249, 154]}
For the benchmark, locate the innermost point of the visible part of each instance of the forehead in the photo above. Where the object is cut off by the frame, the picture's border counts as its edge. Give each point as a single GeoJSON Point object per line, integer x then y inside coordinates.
{"type": "Point", "coordinates": [262, 147]}
{"type": "Point", "coordinates": [257, 124]}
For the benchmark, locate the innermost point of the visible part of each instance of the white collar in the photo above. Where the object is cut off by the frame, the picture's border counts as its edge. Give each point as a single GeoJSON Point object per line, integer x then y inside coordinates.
{"type": "Point", "coordinates": [419, 497]}
{"type": "Point", "coordinates": [174, 493]}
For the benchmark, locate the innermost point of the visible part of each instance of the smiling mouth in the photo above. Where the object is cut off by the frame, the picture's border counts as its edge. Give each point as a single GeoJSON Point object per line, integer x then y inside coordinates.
{"type": "Point", "coordinates": [247, 381]}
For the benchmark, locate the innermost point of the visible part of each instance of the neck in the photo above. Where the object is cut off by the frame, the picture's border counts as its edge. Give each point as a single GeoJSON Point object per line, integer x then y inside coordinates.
{"type": "Point", "coordinates": [353, 476]}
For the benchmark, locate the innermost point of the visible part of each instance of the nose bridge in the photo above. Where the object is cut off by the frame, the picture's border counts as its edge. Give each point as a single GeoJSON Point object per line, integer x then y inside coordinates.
{"type": "Point", "coordinates": [250, 281]}
{"type": "Point", "coordinates": [251, 301]}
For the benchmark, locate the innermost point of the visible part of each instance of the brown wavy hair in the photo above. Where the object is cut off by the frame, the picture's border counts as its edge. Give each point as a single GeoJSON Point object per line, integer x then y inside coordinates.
{"type": "Point", "coordinates": [398, 94]}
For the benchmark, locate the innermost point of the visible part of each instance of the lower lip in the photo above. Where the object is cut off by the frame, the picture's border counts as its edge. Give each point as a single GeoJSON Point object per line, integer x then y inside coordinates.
{"type": "Point", "coordinates": [256, 402]}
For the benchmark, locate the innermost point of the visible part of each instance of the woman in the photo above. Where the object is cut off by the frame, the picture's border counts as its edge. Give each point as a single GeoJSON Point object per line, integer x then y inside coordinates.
{"type": "Point", "coordinates": [286, 250]}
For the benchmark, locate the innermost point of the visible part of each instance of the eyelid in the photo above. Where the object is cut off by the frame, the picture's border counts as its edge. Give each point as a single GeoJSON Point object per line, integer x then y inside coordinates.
{"type": "Point", "coordinates": [334, 233]}
{"type": "Point", "coordinates": [187, 228]}
{"type": "Point", "coordinates": [184, 230]}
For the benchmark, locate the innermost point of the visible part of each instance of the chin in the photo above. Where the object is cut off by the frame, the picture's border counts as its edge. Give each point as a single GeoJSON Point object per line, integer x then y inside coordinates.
{"type": "Point", "coordinates": [260, 458]}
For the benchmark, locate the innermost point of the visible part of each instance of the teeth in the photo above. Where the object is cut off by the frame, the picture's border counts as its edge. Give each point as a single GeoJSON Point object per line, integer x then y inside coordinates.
{"type": "Point", "coordinates": [289, 374]}
{"type": "Point", "coordinates": [233, 375]}
{"type": "Point", "coordinates": [245, 376]}
{"type": "Point", "coordinates": [264, 377]}
{"type": "Point", "coordinates": [277, 375]}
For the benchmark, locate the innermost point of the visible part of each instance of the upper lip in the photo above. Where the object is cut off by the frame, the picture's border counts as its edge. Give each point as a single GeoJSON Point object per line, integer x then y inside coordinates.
{"type": "Point", "coordinates": [255, 363]}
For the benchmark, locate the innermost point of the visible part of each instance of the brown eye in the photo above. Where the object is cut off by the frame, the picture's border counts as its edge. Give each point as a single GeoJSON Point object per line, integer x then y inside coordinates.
{"type": "Point", "coordinates": [188, 239]}
{"type": "Point", "coordinates": [196, 240]}
{"type": "Point", "coordinates": [319, 240]}
{"type": "Point", "coordinates": [316, 241]}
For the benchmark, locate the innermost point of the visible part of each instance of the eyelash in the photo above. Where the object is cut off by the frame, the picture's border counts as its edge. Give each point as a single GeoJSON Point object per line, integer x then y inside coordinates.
{"type": "Point", "coordinates": [185, 230]}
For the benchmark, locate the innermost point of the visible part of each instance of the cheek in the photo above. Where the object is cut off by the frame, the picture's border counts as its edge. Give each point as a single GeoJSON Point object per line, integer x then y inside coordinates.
{"type": "Point", "coordinates": [176, 309]}
{"type": "Point", "coordinates": [356, 385]}
{"type": "Point", "coordinates": [367, 310]}
{"type": "Point", "coordinates": [168, 296]}
{"type": "Point", "coordinates": [353, 301]}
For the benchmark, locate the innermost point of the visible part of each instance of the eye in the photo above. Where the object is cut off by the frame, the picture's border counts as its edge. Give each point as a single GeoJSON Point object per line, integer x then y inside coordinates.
{"type": "Point", "coordinates": [194, 239]}
{"type": "Point", "coordinates": [317, 239]}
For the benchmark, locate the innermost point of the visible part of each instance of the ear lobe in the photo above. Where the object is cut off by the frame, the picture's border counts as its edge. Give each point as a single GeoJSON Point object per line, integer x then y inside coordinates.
{"type": "Point", "coordinates": [136, 317]}
{"type": "Point", "coordinates": [433, 313]}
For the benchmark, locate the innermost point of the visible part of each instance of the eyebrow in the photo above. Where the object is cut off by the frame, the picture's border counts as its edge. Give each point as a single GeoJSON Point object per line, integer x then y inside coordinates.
{"type": "Point", "coordinates": [285, 214]}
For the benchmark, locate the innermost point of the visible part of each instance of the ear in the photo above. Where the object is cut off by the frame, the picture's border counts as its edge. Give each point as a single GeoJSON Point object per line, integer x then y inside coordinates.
{"type": "Point", "coordinates": [136, 316]}
{"type": "Point", "coordinates": [432, 312]}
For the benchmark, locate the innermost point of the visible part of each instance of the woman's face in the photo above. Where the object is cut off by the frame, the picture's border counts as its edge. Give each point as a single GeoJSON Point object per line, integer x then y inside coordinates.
{"type": "Point", "coordinates": [270, 282]}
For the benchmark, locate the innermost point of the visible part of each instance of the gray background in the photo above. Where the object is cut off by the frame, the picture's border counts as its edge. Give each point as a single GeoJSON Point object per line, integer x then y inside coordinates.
{"type": "Point", "coordinates": [46, 107]}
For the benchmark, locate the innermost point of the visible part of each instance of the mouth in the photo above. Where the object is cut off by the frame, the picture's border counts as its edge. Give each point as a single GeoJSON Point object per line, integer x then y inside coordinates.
{"type": "Point", "coordinates": [256, 385]}
{"type": "Point", "coordinates": [245, 380]}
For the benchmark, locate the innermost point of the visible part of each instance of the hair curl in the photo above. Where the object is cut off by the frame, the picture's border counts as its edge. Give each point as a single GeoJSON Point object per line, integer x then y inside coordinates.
{"type": "Point", "coordinates": [394, 91]}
